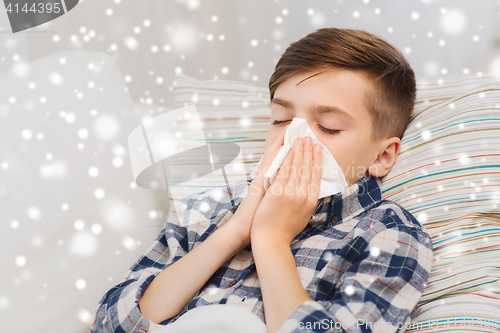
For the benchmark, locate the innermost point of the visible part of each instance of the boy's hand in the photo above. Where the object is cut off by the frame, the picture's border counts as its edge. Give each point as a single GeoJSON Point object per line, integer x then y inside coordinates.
{"type": "Point", "coordinates": [291, 199]}
{"type": "Point", "coordinates": [242, 219]}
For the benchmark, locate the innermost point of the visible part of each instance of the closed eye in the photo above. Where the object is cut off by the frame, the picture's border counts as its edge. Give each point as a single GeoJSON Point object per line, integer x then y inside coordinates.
{"type": "Point", "coordinates": [326, 130]}
{"type": "Point", "coordinates": [329, 131]}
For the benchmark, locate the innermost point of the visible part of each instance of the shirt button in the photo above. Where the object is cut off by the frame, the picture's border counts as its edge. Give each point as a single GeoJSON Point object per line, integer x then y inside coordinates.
{"type": "Point", "coordinates": [334, 219]}
{"type": "Point", "coordinates": [232, 283]}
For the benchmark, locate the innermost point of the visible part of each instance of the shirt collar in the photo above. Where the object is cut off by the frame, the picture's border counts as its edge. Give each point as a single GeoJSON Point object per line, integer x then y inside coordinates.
{"type": "Point", "coordinates": [350, 202]}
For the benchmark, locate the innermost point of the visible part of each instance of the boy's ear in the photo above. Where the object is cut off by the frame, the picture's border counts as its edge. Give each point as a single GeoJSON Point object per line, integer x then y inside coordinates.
{"type": "Point", "coordinates": [387, 154]}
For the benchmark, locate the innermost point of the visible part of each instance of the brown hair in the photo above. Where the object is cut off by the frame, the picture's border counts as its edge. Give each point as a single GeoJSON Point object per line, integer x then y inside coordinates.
{"type": "Point", "coordinates": [390, 100]}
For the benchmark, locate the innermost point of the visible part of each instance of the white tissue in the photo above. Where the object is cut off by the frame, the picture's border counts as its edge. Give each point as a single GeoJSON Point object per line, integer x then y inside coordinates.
{"type": "Point", "coordinates": [332, 178]}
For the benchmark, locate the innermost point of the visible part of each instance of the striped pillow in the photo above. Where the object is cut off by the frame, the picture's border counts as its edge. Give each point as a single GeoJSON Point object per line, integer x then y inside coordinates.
{"type": "Point", "coordinates": [230, 111]}
{"type": "Point", "coordinates": [447, 175]}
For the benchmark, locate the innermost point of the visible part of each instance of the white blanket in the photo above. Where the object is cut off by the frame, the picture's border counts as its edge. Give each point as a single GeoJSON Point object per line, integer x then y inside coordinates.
{"type": "Point", "coordinates": [216, 318]}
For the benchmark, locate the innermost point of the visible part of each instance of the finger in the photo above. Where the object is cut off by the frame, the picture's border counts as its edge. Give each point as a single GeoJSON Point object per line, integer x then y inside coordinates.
{"type": "Point", "coordinates": [271, 153]}
{"type": "Point", "coordinates": [307, 165]}
{"type": "Point", "coordinates": [284, 169]}
{"type": "Point", "coordinates": [283, 173]}
{"type": "Point", "coordinates": [280, 139]}
{"type": "Point", "coordinates": [298, 147]}
{"type": "Point", "coordinates": [274, 148]}
{"type": "Point", "coordinates": [317, 170]}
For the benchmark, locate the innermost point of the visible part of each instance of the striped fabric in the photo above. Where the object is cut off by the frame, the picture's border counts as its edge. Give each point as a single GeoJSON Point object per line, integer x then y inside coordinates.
{"type": "Point", "coordinates": [231, 111]}
{"type": "Point", "coordinates": [447, 175]}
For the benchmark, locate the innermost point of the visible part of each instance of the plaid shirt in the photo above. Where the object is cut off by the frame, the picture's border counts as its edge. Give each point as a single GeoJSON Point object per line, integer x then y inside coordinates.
{"type": "Point", "coordinates": [363, 261]}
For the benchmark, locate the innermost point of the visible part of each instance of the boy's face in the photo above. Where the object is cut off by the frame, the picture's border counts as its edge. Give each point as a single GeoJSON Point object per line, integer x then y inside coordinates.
{"type": "Point", "coordinates": [351, 146]}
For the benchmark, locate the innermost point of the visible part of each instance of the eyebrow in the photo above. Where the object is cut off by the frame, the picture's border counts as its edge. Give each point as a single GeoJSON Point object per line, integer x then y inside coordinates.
{"type": "Point", "coordinates": [317, 108]}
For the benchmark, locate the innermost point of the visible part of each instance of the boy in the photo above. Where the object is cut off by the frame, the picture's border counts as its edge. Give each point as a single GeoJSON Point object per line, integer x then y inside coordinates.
{"type": "Point", "coordinates": [349, 262]}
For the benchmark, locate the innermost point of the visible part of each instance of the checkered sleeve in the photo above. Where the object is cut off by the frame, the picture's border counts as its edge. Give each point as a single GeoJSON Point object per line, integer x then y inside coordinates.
{"type": "Point", "coordinates": [118, 310]}
{"type": "Point", "coordinates": [388, 267]}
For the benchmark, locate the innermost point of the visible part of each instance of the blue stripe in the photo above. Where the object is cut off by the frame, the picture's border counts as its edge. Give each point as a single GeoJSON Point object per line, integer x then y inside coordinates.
{"type": "Point", "coordinates": [479, 284]}
{"type": "Point", "coordinates": [443, 128]}
{"type": "Point", "coordinates": [442, 172]}
{"type": "Point", "coordinates": [454, 322]}
{"type": "Point", "coordinates": [466, 234]}
{"type": "Point", "coordinates": [468, 198]}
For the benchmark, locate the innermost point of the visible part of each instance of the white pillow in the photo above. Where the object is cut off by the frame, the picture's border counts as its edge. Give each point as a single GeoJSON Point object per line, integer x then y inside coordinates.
{"type": "Point", "coordinates": [216, 318]}
{"type": "Point", "coordinates": [66, 189]}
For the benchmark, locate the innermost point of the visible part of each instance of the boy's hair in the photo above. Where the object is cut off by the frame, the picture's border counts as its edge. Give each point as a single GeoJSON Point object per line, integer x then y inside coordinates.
{"type": "Point", "coordinates": [391, 98]}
